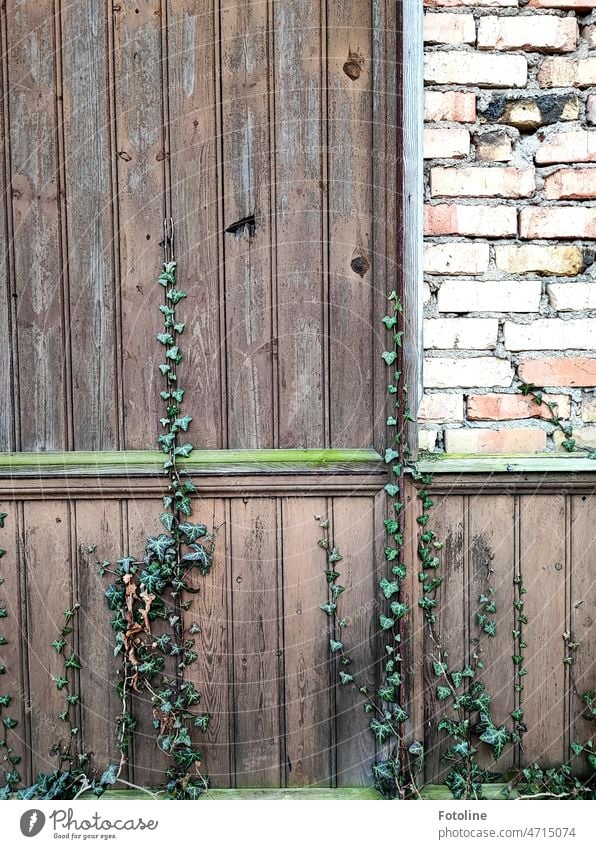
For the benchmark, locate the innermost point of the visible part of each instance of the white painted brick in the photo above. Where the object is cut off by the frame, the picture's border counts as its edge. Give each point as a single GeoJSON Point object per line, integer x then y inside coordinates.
{"type": "Point", "coordinates": [588, 412]}
{"type": "Point", "coordinates": [551, 334]}
{"type": "Point", "coordinates": [536, 32]}
{"type": "Point", "coordinates": [564, 260]}
{"type": "Point", "coordinates": [446, 143]}
{"type": "Point", "coordinates": [567, 297]}
{"type": "Point", "coordinates": [461, 333]}
{"type": "Point", "coordinates": [425, 293]}
{"type": "Point", "coordinates": [482, 182]}
{"type": "Point", "coordinates": [456, 257]}
{"type": "Point", "coordinates": [441, 407]}
{"type": "Point", "coordinates": [447, 372]}
{"type": "Point", "coordinates": [488, 70]}
{"type": "Point", "coordinates": [502, 296]}
{"type": "Point", "coordinates": [495, 441]}
{"type": "Point", "coordinates": [427, 439]}
{"type": "Point", "coordinates": [449, 28]}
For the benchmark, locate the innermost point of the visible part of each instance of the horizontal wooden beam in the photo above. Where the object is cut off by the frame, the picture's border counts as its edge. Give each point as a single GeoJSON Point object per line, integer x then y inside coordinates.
{"type": "Point", "coordinates": [505, 463]}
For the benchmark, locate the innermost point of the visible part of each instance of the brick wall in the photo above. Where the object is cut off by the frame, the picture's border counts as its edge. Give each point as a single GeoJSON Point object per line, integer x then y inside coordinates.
{"type": "Point", "coordinates": [510, 222]}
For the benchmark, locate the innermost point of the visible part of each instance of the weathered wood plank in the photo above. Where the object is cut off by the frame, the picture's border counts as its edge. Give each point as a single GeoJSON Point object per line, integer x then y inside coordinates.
{"type": "Point", "coordinates": [308, 688]}
{"type": "Point", "coordinates": [448, 519]}
{"type": "Point", "coordinates": [193, 142]}
{"type": "Point", "coordinates": [7, 383]}
{"type": "Point", "coordinates": [350, 199]}
{"type": "Point", "coordinates": [257, 653]}
{"type": "Point", "coordinates": [211, 673]}
{"type": "Point", "coordinates": [99, 538]}
{"type": "Point", "coordinates": [140, 168]}
{"type": "Point", "coordinates": [247, 247]}
{"type": "Point", "coordinates": [299, 211]}
{"type": "Point", "coordinates": [353, 534]}
{"type": "Point", "coordinates": [543, 570]}
{"type": "Point", "coordinates": [583, 610]}
{"type": "Point", "coordinates": [36, 235]}
{"type": "Point", "coordinates": [491, 539]}
{"type": "Point", "coordinates": [89, 224]}
{"type": "Point", "coordinates": [48, 594]}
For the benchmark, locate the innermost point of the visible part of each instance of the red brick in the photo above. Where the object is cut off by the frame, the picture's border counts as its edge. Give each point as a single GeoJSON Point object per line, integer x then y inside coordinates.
{"type": "Point", "coordinates": [528, 32]}
{"type": "Point", "coordinates": [557, 222]}
{"type": "Point", "coordinates": [450, 106]}
{"type": "Point", "coordinates": [513, 440]}
{"type": "Point", "coordinates": [483, 3]}
{"type": "Point", "coordinates": [482, 182]}
{"type": "Point", "coordinates": [562, 4]}
{"type": "Point", "coordinates": [449, 29]}
{"type": "Point", "coordinates": [552, 371]}
{"type": "Point", "coordinates": [482, 69]}
{"type": "Point", "coordinates": [452, 219]}
{"type": "Point", "coordinates": [571, 184]}
{"type": "Point", "coordinates": [499, 407]}
{"type": "Point", "coordinates": [574, 146]}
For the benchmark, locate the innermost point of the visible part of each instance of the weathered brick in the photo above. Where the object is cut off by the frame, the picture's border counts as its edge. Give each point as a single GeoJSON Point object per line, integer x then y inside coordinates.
{"type": "Point", "coordinates": [567, 297]}
{"type": "Point", "coordinates": [427, 439]}
{"type": "Point", "coordinates": [584, 437]}
{"type": "Point", "coordinates": [456, 258]}
{"type": "Point", "coordinates": [557, 222]}
{"type": "Point", "coordinates": [529, 113]}
{"type": "Point", "coordinates": [449, 28]}
{"type": "Point", "coordinates": [554, 371]}
{"type": "Point", "coordinates": [588, 411]}
{"type": "Point", "coordinates": [503, 296]}
{"type": "Point", "coordinates": [452, 219]}
{"type": "Point", "coordinates": [494, 147]}
{"type": "Point", "coordinates": [569, 184]}
{"type": "Point", "coordinates": [446, 143]}
{"type": "Point", "coordinates": [528, 32]}
{"type": "Point", "coordinates": [502, 407]}
{"type": "Point", "coordinates": [488, 70]}
{"type": "Point", "coordinates": [562, 260]}
{"type": "Point", "coordinates": [591, 109]}
{"type": "Point", "coordinates": [558, 71]}
{"type": "Point", "coordinates": [551, 334]}
{"type": "Point", "coordinates": [447, 372]}
{"type": "Point", "coordinates": [425, 293]}
{"type": "Point", "coordinates": [482, 3]}
{"type": "Point", "coordinates": [483, 182]}
{"type": "Point", "coordinates": [574, 146]}
{"type": "Point", "coordinates": [512, 440]}
{"type": "Point", "coordinates": [450, 106]}
{"type": "Point", "coordinates": [441, 407]}
{"type": "Point", "coordinates": [589, 35]}
{"type": "Point", "coordinates": [461, 333]}
{"type": "Point", "coordinates": [562, 4]}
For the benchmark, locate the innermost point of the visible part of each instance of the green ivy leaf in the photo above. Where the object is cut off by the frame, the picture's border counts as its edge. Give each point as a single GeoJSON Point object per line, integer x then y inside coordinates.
{"type": "Point", "coordinates": [328, 608]}
{"type": "Point", "coordinates": [202, 721]}
{"type": "Point", "coordinates": [183, 423]}
{"type": "Point", "coordinates": [389, 588]}
{"type": "Point", "coordinates": [60, 681]}
{"type": "Point", "coordinates": [335, 556]}
{"type": "Point", "coordinates": [387, 694]}
{"type": "Point", "coordinates": [159, 547]}
{"type": "Point", "coordinates": [386, 622]}
{"type": "Point", "coordinates": [399, 609]}
{"type": "Point", "coordinates": [496, 738]}
{"type": "Point", "coordinates": [439, 668]}
{"type": "Point", "coordinates": [389, 321]}
{"type": "Point", "coordinates": [345, 678]}
{"type": "Point", "coordinates": [443, 693]}
{"type": "Point", "coordinates": [389, 357]}
{"type": "Point", "coordinates": [72, 662]}
{"type": "Point", "coordinates": [3, 516]}
{"type": "Point", "coordinates": [392, 489]}
{"type": "Point", "coordinates": [381, 730]}
{"type": "Point", "coordinates": [390, 455]}
{"type": "Point", "coordinates": [335, 645]}
{"type": "Point", "coordinates": [183, 450]}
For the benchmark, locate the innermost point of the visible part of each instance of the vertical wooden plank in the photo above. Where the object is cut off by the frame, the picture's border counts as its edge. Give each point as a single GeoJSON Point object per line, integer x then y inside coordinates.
{"type": "Point", "coordinates": [350, 198]}
{"type": "Point", "coordinates": [211, 672]}
{"type": "Point", "coordinates": [13, 628]}
{"type": "Point", "coordinates": [308, 689]}
{"type": "Point", "coordinates": [255, 570]}
{"type": "Point", "coordinates": [36, 235]}
{"type": "Point", "coordinates": [451, 626]}
{"type": "Point", "coordinates": [48, 594]}
{"type": "Point", "coordinates": [300, 221]}
{"type": "Point", "coordinates": [140, 158]}
{"type": "Point", "coordinates": [99, 538]}
{"type": "Point", "coordinates": [543, 566]}
{"type": "Point", "coordinates": [87, 153]}
{"type": "Point", "coordinates": [246, 191]}
{"type": "Point", "coordinates": [193, 164]}
{"type": "Point", "coordinates": [583, 611]}
{"type": "Point", "coordinates": [491, 539]}
{"type": "Point", "coordinates": [353, 531]}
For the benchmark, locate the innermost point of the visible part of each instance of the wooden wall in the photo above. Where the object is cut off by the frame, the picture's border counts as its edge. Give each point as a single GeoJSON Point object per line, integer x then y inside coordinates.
{"type": "Point", "coordinates": [115, 115]}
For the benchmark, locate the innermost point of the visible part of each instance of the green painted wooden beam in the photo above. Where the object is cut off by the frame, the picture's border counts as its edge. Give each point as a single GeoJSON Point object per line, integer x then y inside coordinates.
{"type": "Point", "coordinates": [503, 463]}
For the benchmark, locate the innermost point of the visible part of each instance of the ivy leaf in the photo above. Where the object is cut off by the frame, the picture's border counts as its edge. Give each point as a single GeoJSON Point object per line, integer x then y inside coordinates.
{"type": "Point", "coordinates": [60, 681]}
{"type": "Point", "coordinates": [158, 547]}
{"type": "Point", "coordinates": [184, 505]}
{"type": "Point", "coordinates": [199, 556]}
{"type": "Point", "coordinates": [72, 662]}
{"type": "Point", "coordinates": [175, 295]}
{"type": "Point", "coordinates": [391, 526]}
{"type": "Point", "coordinates": [389, 321]}
{"type": "Point", "coordinates": [183, 423]}
{"type": "Point", "coordinates": [490, 628]}
{"type": "Point", "coordinates": [443, 693]}
{"type": "Point", "coordinates": [381, 730]}
{"type": "Point", "coordinates": [3, 516]}
{"type": "Point", "coordinates": [345, 678]}
{"type": "Point", "coordinates": [167, 520]}
{"type": "Point", "coordinates": [391, 421]}
{"type": "Point", "coordinates": [496, 738]}
{"type": "Point", "coordinates": [387, 694]}
{"type": "Point", "coordinates": [110, 775]}
{"type": "Point", "coordinates": [9, 722]}
{"type": "Point", "coordinates": [336, 591]}
{"type": "Point", "coordinates": [335, 645]}
{"type": "Point", "coordinates": [399, 609]}
{"type": "Point", "coordinates": [389, 588]}
{"type": "Point", "coordinates": [164, 338]}
{"type": "Point", "coordinates": [392, 489]}
{"type": "Point", "coordinates": [335, 556]}
{"type": "Point", "coordinates": [390, 455]}
{"type": "Point", "coordinates": [389, 357]}
{"type": "Point", "coordinates": [386, 622]}
{"type": "Point", "coordinates": [391, 554]}
{"type": "Point", "coordinates": [329, 608]}
{"type": "Point", "coordinates": [5, 701]}
{"type": "Point", "coordinates": [183, 450]}
{"type": "Point", "coordinates": [439, 668]}
{"type": "Point", "coordinates": [202, 721]}
{"type": "Point", "coordinates": [331, 575]}
{"type": "Point", "coordinates": [59, 644]}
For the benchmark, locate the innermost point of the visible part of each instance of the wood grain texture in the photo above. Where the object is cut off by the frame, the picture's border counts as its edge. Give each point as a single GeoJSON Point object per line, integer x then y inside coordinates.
{"type": "Point", "coordinates": [582, 598]}
{"type": "Point", "coordinates": [543, 544]}
{"type": "Point", "coordinates": [300, 221]}
{"type": "Point", "coordinates": [448, 524]}
{"type": "Point", "coordinates": [309, 699]}
{"type": "Point", "coordinates": [98, 538]}
{"type": "Point", "coordinates": [36, 224]}
{"type": "Point", "coordinates": [89, 224]}
{"type": "Point", "coordinates": [350, 203]}
{"type": "Point", "coordinates": [140, 152]}
{"type": "Point", "coordinates": [257, 652]}
{"type": "Point", "coordinates": [353, 531]}
{"type": "Point", "coordinates": [246, 189]}
{"type": "Point", "coordinates": [192, 68]}
{"type": "Point", "coordinates": [48, 593]}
